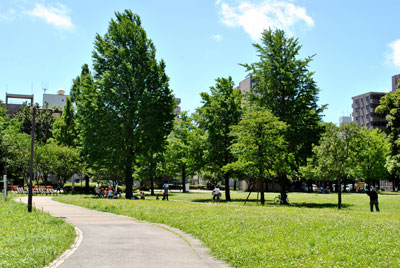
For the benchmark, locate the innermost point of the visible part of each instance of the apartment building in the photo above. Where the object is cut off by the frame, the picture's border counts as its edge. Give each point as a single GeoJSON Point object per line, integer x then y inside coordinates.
{"type": "Point", "coordinates": [364, 114]}
{"type": "Point", "coordinates": [395, 82]}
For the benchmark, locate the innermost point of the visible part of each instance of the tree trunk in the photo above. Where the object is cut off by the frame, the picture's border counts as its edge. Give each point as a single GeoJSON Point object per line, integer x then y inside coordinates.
{"type": "Point", "coordinates": [283, 190]}
{"type": "Point", "coordinates": [339, 189]}
{"type": "Point", "coordinates": [87, 187]}
{"type": "Point", "coordinates": [227, 190]}
{"type": "Point", "coordinates": [393, 183]}
{"type": "Point", "coordinates": [309, 185]}
{"type": "Point", "coordinates": [128, 176]}
{"type": "Point", "coordinates": [379, 184]}
{"type": "Point", "coordinates": [152, 185]}
{"type": "Point", "coordinates": [262, 192]}
{"type": "Point", "coordinates": [234, 185]}
{"type": "Point", "coordinates": [183, 179]}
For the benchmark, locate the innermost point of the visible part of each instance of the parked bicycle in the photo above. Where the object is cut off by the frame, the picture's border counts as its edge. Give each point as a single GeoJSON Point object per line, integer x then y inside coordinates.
{"type": "Point", "coordinates": [278, 200]}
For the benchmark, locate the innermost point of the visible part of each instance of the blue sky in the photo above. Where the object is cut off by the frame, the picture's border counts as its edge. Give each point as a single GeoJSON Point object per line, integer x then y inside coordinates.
{"type": "Point", "coordinates": [356, 43]}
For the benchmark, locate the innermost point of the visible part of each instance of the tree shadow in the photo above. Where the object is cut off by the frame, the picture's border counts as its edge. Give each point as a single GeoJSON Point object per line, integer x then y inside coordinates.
{"type": "Point", "coordinates": [232, 200]}
{"type": "Point", "coordinates": [318, 205]}
{"type": "Point", "coordinates": [271, 203]}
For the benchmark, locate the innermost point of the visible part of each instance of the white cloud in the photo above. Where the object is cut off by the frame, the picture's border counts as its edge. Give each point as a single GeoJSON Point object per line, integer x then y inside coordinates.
{"type": "Point", "coordinates": [217, 37]}
{"type": "Point", "coordinates": [395, 52]}
{"type": "Point", "coordinates": [56, 16]}
{"type": "Point", "coordinates": [254, 18]}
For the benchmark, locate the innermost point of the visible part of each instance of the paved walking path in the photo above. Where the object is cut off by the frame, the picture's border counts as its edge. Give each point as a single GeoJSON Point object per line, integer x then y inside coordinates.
{"type": "Point", "coordinates": [117, 241]}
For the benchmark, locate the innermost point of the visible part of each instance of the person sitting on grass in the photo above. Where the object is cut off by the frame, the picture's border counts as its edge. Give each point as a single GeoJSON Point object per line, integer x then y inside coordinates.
{"type": "Point", "coordinates": [216, 193]}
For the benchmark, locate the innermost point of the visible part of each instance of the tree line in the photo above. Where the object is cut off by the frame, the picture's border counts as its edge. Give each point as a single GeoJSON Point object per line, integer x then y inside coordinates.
{"type": "Point", "coordinates": [119, 123]}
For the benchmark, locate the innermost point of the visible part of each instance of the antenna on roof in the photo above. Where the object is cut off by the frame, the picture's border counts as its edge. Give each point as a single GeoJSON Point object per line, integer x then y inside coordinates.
{"type": "Point", "coordinates": [44, 87]}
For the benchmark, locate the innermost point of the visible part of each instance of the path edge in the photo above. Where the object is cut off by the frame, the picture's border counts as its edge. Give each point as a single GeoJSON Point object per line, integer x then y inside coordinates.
{"type": "Point", "coordinates": [78, 240]}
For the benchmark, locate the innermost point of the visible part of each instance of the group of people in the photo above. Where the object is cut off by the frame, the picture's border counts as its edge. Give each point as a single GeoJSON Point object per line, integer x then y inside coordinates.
{"type": "Point", "coordinates": [107, 192]}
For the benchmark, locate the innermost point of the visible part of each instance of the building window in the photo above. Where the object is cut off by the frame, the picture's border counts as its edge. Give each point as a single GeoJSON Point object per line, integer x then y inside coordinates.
{"type": "Point", "coordinates": [357, 110]}
{"type": "Point", "coordinates": [367, 107]}
{"type": "Point", "coordinates": [358, 118]}
{"type": "Point", "coordinates": [367, 99]}
{"type": "Point", "coordinates": [367, 116]}
{"type": "Point", "coordinates": [357, 101]}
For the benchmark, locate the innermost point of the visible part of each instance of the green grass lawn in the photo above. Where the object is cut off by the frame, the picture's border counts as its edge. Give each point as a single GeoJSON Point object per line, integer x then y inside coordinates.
{"type": "Point", "coordinates": [31, 239]}
{"type": "Point", "coordinates": [309, 233]}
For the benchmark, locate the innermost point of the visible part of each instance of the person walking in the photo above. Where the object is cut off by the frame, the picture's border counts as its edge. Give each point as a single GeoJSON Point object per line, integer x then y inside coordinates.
{"type": "Point", "coordinates": [165, 188]}
{"type": "Point", "coordinates": [373, 200]}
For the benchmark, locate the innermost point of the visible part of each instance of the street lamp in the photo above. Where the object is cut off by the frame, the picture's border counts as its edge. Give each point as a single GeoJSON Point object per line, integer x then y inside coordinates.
{"type": "Point", "coordinates": [30, 192]}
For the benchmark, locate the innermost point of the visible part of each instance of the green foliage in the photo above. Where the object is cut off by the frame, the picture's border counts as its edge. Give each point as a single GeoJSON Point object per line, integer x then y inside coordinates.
{"type": "Point", "coordinates": [348, 152]}
{"type": "Point", "coordinates": [285, 86]}
{"type": "Point", "coordinates": [220, 110]}
{"type": "Point", "coordinates": [390, 108]}
{"type": "Point", "coordinates": [260, 146]}
{"type": "Point", "coordinates": [64, 128]}
{"type": "Point", "coordinates": [31, 239]}
{"type": "Point", "coordinates": [64, 161]}
{"type": "Point", "coordinates": [372, 157]}
{"type": "Point", "coordinates": [18, 146]}
{"type": "Point", "coordinates": [44, 121]}
{"type": "Point", "coordinates": [184, 152]}
{"type": "Point", "coordinates": [127, 110]}
{"type": "Point", "coordinates": [310, 233]}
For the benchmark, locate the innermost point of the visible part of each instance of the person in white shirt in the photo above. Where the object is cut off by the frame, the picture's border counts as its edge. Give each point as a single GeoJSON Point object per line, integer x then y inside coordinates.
{"type": "Point", "coordinates": [216, 193]}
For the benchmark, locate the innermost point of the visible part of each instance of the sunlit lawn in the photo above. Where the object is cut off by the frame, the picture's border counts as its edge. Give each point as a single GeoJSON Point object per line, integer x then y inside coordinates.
{"type": "Point", "coordinates": [310, 233]}
{"type": "Point", "coordinates": [31, 239]}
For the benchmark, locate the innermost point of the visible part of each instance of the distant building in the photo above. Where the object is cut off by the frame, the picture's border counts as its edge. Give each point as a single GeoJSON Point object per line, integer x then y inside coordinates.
{"type": "Point", "coordinates": [13, 108]}
{"type": "Point", "coordinates": [344, 120]}
{"type": "Point", "coordinates": [395, 82]}
{"type": "Point", "coordinates": [364, 114]}
{"type": "Point", "coordinates": [177, 108]}
{"type": "Point", "coordinates": [58, 100]}
{"type": "Point", "coordinates": [247, 84]}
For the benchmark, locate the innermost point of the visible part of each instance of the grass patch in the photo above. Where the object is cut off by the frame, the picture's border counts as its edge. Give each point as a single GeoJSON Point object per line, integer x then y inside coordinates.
{"type": "Point", "coordinates": [309, 233]}
{"type": "Point", "coordinates": [31, 239]}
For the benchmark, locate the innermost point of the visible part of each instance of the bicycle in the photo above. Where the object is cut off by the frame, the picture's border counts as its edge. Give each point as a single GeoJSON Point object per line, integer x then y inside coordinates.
{"type": "Point", "coordinates": [278, 200]}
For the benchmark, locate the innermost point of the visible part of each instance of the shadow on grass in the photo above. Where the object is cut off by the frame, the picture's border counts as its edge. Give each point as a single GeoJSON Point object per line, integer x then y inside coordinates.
{"type": "Point", "coordinates": [269, 202]}
{"type": "Point", "coordinates": [319, 205]}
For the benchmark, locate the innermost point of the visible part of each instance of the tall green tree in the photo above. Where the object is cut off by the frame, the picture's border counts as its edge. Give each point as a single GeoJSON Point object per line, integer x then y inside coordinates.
{"type": "Point", "coordinates": [373, 154]}
{"type": "Point", "coordinates": [259, 144]}
{"type": "Point", "coordinates": [178, 153]}
{"type": "Point", "coordinates": [337, 156]}
{"type": "Point", "coordinates": [285, 86]}
{"type": "Point", "coordinates": [64, 127]}
{"type": "Point", "coordinates": [130, 109]}
{"type": "Point", "coordinates": [390, 109]}
{"type": "Point", "coordinates": [220, 110]}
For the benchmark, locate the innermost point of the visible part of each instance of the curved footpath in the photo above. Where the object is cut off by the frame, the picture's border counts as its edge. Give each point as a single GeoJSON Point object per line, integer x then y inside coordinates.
{"type": "Point", "coordinates": [111, 240]}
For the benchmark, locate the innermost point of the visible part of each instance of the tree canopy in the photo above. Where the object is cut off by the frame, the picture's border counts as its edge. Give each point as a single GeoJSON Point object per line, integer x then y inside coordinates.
{"type": "Point", "coordinates": [127, 109]}
{"type": "Point", "coordinates": [220, 110]}
{"type": "Point", "coordinates": [285, 86]}
{"type": "Point", "coordinates": [260, 146]}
